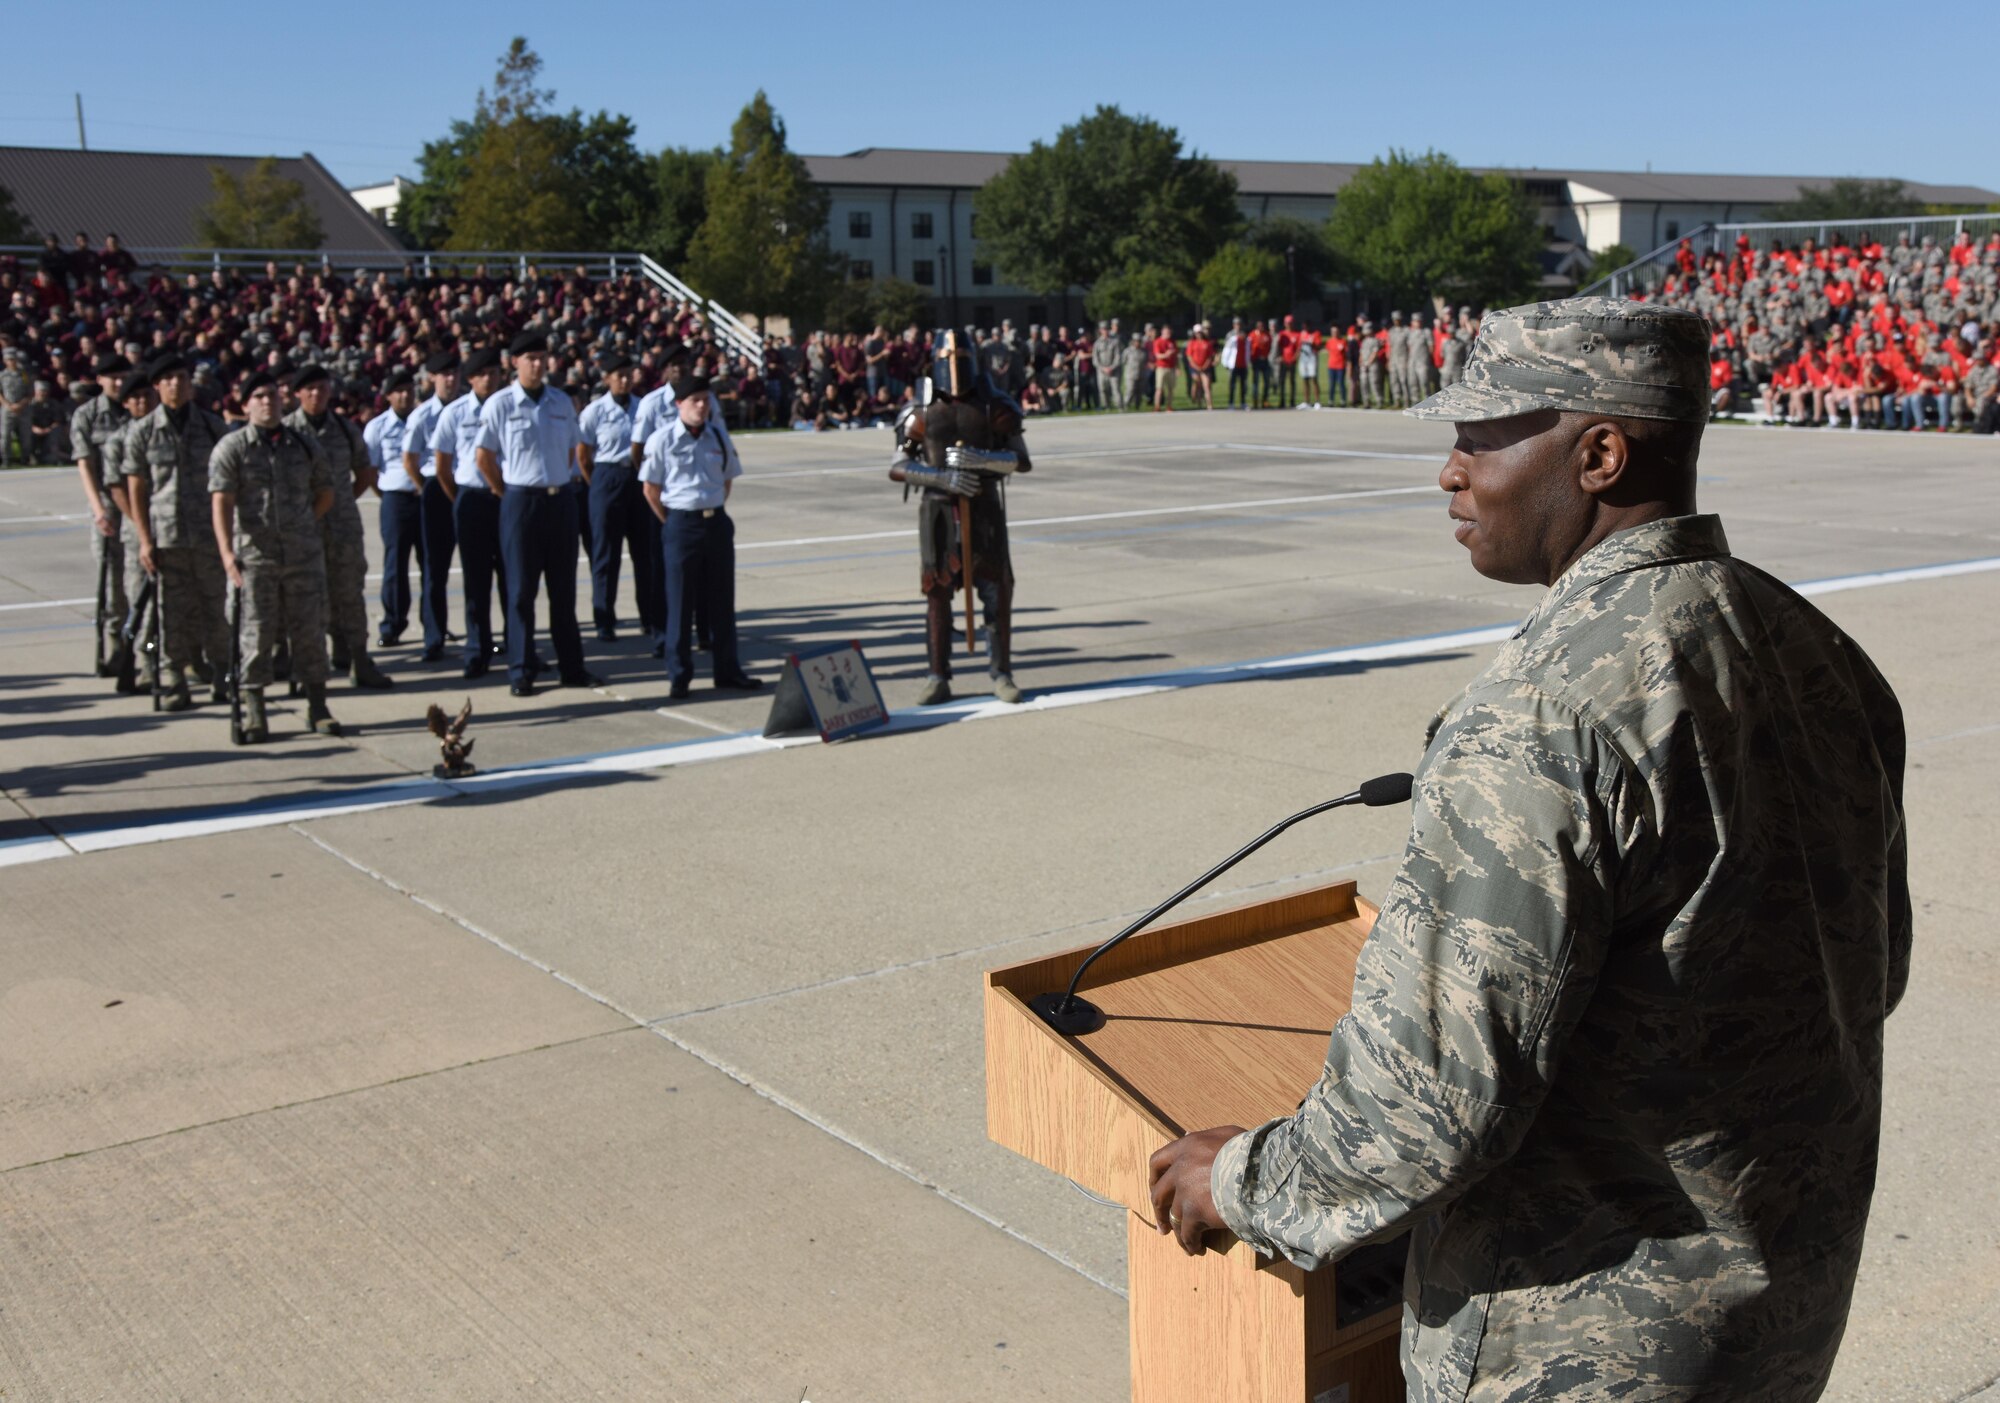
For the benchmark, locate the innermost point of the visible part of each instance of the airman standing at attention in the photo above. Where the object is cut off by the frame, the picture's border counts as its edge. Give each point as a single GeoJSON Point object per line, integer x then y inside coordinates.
{"type": "Point", "coordinates": [93, 425]}
{"type": "Point", "coordinates": [346, 547]}
{"type": "Point", "coordinates": [166, 473]}
{"type": "Point", "coordinates": [270, 485]}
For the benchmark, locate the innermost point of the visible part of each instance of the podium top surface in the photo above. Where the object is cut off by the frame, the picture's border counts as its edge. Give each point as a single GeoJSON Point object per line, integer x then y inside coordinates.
{"type": "Point", "coordinates": [1220, 1020]}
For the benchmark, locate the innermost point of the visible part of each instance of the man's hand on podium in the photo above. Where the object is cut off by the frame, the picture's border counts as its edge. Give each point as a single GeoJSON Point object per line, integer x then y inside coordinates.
{"type": "Point", "coordinates": [1183, 1203]}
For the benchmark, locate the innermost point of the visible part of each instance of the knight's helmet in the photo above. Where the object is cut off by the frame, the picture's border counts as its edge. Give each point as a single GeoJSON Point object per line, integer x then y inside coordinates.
{"type": "Point", "coordinates": [954, 368]}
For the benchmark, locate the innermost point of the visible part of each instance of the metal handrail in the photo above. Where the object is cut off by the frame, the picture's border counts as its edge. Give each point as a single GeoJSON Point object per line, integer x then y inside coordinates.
{"type": "Point", "coordinates": [1616, 280]}
{"type": "Point", "coordinates": [732, 329]}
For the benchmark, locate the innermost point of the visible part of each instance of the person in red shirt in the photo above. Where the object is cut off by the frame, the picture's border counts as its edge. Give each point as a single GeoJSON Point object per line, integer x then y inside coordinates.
{"type": "Point", "coordinates": [1201, 366]}
{"type": "Point", "coordinates": [1721, 374]}
{"type": "Point", "coordinates": [1336, 367]}
{"type": "Point", "coordinates": [1288, 364]}
{"type": "Point", "coordinates": [1260, 363]}
{"type": "Point", "coordinates": [1166, 360]}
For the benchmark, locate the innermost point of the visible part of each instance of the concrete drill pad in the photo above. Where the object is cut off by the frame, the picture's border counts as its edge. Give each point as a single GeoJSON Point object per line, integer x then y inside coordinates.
{"type": "Point", "coordinates": [790, 868]}
{"type": "Point", "coordinates": [606, 1219]}
{"type": "Point", "coordinates": [168, 985]}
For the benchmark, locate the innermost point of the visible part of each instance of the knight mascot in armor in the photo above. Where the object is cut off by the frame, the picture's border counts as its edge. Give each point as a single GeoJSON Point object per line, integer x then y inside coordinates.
{"type": "Point", "coordinates": [958, 441]}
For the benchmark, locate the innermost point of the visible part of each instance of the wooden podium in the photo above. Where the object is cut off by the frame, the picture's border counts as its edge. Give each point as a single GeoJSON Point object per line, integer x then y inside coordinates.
{"type": "Point", "coordinates": [1216, 1021]}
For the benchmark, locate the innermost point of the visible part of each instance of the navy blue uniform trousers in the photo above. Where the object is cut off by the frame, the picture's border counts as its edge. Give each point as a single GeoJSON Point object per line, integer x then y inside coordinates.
{"type": "Point", "coordinates": [476, 516]}
{"type": "Point", "coordinates": [402, 534]}
{"type": "Point", "coordinates": [698, 558]}
{"type": "Point", "coordinates": [538, 542]}
{"type": "Point", "coordinates": [621, 523]}
{"type": "Point", "coordinates": [440, 536]}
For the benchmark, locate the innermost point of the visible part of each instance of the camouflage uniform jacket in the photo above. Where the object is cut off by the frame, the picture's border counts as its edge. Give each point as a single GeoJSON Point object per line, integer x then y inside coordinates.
{"type": "Point", "coordinates": [346, 455]}
{"type": "Point", "coordinates": [1615, 1048]}
{"type": "Point", "coordinates": [174, 463]}
{"type": "Point", "coordinates": [275, 475]}
{"type": "Point", "coordinates": [91, 429]}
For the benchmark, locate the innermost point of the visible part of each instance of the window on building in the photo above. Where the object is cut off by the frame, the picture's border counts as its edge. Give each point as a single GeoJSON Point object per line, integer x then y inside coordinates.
{"type": "Point", "coordinates": [982, 275]}
{"type": "Point", "coordinates": [861, 269]}
{"type": "Point", "coordinates": [924, 272]}
{"type": "Point", "coordinates": [972, 224]}
{"type": "Point", "coordinates": [920, 225]}
{"type": "Point", "coordinates": [860, 224]}
{"type": "Point", "coordinates": [1673, 230]}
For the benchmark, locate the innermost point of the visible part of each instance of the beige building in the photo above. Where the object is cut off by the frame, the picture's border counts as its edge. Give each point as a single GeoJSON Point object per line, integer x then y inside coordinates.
{"type": "Point", "coordinates": [908, 214]}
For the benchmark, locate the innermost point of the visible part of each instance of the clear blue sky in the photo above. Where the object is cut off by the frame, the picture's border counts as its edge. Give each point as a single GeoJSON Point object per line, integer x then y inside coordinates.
{"type": "Point", "coordinates": [1695, 85]}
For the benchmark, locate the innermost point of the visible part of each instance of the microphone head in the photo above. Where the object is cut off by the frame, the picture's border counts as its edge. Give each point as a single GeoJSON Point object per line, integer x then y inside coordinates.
{"type": "Point", "coordinates": [1386, 789]}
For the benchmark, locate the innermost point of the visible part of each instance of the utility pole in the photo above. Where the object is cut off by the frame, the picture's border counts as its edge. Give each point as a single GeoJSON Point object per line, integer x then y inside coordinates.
{"type": "Point", "coordinates": [82, 143]}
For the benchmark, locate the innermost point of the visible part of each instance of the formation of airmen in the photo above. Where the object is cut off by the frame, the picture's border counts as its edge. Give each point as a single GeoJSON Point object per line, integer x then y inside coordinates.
{"type": "Point", "coordinates": [225, 556]}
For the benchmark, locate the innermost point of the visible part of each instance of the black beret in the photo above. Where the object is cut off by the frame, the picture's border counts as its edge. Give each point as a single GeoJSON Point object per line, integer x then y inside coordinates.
{"type": "Point", "coordinates": [134, 385]}
{"type": "Point", "coordinates": [166, 365]}
{"type": "Point", "coordinates": [110, 363]}
{"type": "Point", "coordinates": [674, 350]}
{"type": "Point", "coordinates": [612, 361]}
{"type": "Point", "coordinates": [441, 362]}
{"type": "Point", "coordinates": [311, 373]}
{"type": "Point", "coordinates": [484, 359]}
{"type": "Point", "coordinates": [527, 342]}
{"type": "Point", "coordinates": [690, 385]}
{"type": "Point", "coordinates": [256, 380]}
{"type": "Point", "coordinates": [399, 379]}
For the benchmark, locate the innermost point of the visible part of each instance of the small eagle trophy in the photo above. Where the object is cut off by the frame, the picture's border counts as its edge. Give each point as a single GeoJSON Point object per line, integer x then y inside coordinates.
{"type": "Point", "coordinates": [451, 741]}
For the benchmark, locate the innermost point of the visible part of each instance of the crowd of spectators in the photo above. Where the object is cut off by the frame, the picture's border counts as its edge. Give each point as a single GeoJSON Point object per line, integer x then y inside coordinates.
{"type": "Point", "coordinates": [69, 305]}
{"type": "Point", "coordinates": [1899, 337]}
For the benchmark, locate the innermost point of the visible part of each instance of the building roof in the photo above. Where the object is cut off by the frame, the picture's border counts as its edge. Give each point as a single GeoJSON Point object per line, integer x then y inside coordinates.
{"type": "Point", "coordinates": [150, 200]}
{"type": "Point", "coordinates": [964, 170]}
{"type": "Point", "coordinates": [1683, 188]}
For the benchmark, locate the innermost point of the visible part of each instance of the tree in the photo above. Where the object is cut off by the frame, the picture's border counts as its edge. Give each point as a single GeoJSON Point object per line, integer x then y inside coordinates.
{"type": "Point", "coordinates": [680, 203]}
{"type": "Point", "coordinates": [613, 181]}
{"type": "Point", "coordinates": [1413, 226]}
{"type": "Point", "coordinates": [1111, 192]}
{"type": "Point", "coordinates": [1139, 292]}
{"type": "Point", "coordinates": [517, 191]}
{"type": "Point", "coordinates": [1607, 261]}
{"type": "Point", "coordinates": [13, 224]}
{"type": "Point", "coordinates": [1847, 199]}
{"type": "Point", "coordinates": [262, 210]}
{"type": "Point", "coordinates": [1242, 281]}
{"type": "Point", "coordinates": [897, 302]}
{"type": "Point", "coordinates": [1311, 258]}
{"type": "Point", "coordinates": [430, 206]}
{"type": "Point", "coordinates": [761, 248]}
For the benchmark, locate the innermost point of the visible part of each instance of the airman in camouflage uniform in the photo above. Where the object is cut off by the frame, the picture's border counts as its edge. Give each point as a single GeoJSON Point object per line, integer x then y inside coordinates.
{"type": "Point", "coordinates": [17, 390]}
{"type": "Point", "coordinates": [1374, 369]}
{"type": "Point", "coordinates": [346, 547]}
{"type": "Point", "coordinates": [1456, 344]}
{"type": "Point", "coordinates": [1420, 371]}
{"type": "Point", "coordinates": [271, 487]}
{"type": "Point", "coordinates": [166, 471]}
{"type": "Point", "coordinates": [136, 398]}
{"type": "Point", "coordinates": [1399, 361]}
{"type": "Point", "coordinates": [1614, 1057]}
{"type": "Point", "coordinates": [94, 424]}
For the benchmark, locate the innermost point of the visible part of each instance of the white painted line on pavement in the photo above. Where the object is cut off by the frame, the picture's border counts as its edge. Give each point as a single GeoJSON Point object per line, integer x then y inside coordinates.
{"type": "Point", "coordinates": [1193, 510]}
{"type": "Point", "coordinates": [48, 604]}
{"type": "Point", "coordinates": [416, 790]}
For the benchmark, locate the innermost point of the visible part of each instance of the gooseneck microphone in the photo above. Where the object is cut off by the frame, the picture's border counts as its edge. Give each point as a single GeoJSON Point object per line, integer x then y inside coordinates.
{"type": "Point", "coordinates": [1068, 1014]}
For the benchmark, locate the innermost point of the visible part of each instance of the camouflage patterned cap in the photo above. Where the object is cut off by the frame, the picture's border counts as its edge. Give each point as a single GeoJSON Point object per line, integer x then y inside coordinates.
{"type": "Point", "coordinates": [1595, 354]}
